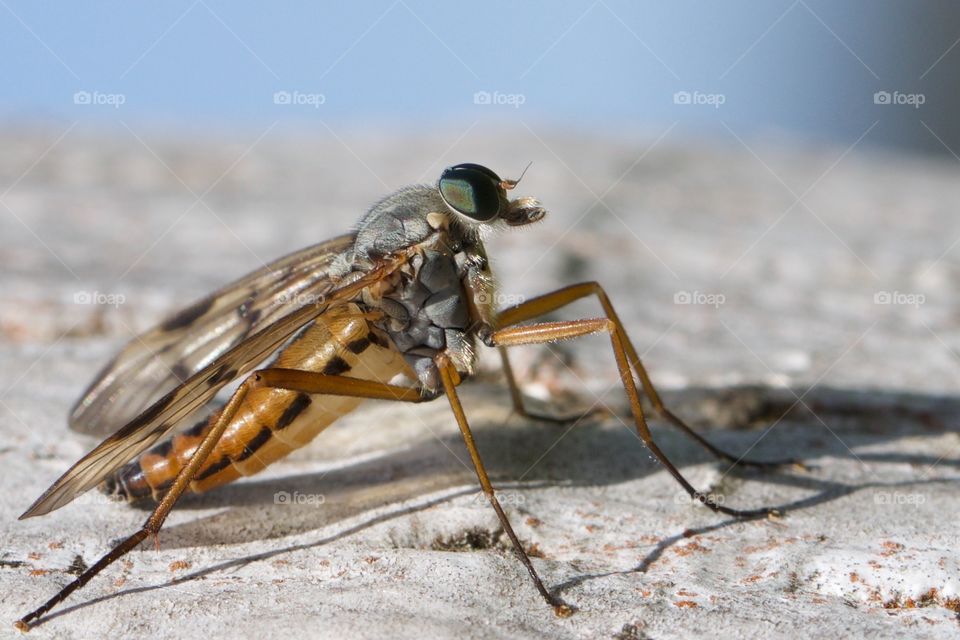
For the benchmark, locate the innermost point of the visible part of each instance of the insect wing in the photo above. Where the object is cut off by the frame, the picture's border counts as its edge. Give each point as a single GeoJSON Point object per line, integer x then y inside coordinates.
{"type": "Point", "coordinates": [171, 409]}
{"type": "Point", "coordinates": [162, 358]}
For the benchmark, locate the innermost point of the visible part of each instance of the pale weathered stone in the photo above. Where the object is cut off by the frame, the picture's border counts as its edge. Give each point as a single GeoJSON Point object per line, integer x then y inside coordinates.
{"type": "Point", "coordinates": [365, 545]}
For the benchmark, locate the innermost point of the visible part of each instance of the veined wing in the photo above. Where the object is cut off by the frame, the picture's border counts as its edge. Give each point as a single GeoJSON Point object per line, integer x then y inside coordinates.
{"type": "Point", "coordinates": [164, 414]}
{"type": "Point", "coordinates": [153, 363]}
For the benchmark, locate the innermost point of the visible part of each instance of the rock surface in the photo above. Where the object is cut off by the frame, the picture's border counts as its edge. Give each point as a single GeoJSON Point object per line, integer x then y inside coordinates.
{"type": "Point", "coordinates": [788, 300]}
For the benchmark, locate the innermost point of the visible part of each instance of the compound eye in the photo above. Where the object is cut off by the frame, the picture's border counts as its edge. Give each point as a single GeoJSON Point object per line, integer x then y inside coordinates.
{"type": "Point", "coordinates": [472, 190]}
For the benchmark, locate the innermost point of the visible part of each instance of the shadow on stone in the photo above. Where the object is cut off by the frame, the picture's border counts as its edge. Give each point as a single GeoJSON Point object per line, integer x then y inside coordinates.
{"type": "Point", "coordinates": [762, 423]}
{"type": "Point", "coordinates": [828, 423]}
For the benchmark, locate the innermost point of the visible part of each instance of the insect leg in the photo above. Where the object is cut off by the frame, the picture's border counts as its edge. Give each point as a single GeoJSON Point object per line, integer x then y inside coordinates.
{"type": "Point", "coordinates": [156, 519]}
{"type": "Point", "coordinates": [516, 397]}
{"type": "Point", "coordinates": [550, 331]}
{"type": "Point", "coordinates": [318, 383]}
{"type": "Point", "coordinates": [450, 379]}
{"type": "Point", "coordinates": [293, 380]}
{"type": "Point", "coordinates": [546, 303]}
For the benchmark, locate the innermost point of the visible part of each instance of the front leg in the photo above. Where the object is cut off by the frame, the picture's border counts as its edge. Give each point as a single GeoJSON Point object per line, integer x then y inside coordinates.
{"type": "Point", "coordinates": [546, 332]}
{"type": "Point", "coordinates": [549, 302]}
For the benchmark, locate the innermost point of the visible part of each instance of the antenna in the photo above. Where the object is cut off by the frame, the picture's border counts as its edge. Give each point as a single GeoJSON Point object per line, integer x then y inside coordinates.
{"type": "Point", "coordinates": [510, 184]}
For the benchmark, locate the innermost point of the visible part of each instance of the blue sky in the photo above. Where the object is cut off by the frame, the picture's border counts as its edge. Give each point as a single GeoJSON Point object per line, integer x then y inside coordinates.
{"type": "Point", "coordinates": [809, 68]}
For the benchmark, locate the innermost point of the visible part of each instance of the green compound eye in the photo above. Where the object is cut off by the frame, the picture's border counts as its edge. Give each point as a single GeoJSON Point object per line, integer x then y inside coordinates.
{"type": "Point", "coordinates": [472, 190]}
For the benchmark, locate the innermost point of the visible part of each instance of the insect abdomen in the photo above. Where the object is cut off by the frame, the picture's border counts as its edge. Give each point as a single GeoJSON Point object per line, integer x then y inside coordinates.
{"type": "Point", "coordinates": [271, 422]}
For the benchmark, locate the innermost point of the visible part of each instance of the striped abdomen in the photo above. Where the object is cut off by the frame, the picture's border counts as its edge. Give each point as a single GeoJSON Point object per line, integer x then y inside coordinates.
{"type": "Point", "coordinates": [271, 422]}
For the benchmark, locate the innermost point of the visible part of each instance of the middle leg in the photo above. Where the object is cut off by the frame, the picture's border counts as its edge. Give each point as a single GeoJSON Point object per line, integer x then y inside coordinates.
{"type": "Point", "coordinates": [450, 379]}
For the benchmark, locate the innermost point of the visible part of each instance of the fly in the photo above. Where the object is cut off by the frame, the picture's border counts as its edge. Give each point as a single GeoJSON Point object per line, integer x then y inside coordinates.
{"type": "Point", "coordinates": [405, 298]}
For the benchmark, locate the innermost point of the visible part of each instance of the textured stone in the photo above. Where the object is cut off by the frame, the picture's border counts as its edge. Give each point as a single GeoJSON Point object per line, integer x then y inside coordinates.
{"type": "Point", "coordinates": [833, 319]}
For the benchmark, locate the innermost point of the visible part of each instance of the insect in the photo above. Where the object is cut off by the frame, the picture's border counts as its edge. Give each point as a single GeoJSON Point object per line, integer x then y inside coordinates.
{"type": "Point", "coordinates": [394, 310]}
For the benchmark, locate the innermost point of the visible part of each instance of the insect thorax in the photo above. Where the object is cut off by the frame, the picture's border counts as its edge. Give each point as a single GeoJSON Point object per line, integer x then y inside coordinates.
{"type": "Point", "coordinates": [425, 304]}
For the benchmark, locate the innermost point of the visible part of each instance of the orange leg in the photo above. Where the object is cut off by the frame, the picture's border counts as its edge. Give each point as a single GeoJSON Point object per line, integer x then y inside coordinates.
{"type": "Point", "coordinates": [516, 397]}
{"type": "Point", "coordinates": [546, 303]}
{"type": "Point", "coordinates": [293, 380]}
{"type": "Point", "coordinates": [552, 331]}
{"type": "Point", "coordinates": [450, 379]}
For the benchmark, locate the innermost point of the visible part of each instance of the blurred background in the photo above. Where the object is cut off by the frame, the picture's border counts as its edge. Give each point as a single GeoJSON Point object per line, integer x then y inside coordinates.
{"type": "Point", "coordinates": [736, 161]}
{"type": "Point", "coordinates": [767, 190]}
{"type": "Point", "coordinates": [813, 69]}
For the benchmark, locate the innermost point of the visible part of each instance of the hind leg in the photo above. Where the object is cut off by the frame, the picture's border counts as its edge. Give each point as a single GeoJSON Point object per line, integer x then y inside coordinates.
{"type": "Point", "coordinates": [293, 380]}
